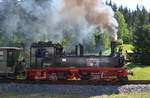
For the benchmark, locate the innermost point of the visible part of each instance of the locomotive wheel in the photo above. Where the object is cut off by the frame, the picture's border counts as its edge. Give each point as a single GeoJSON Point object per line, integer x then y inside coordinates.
{"type": "Point", "coordinates": [85, 75]}
{"type": "Point", "coordinates": [62, 75]}
{"type": "Point", "coordinates": [52, 76]}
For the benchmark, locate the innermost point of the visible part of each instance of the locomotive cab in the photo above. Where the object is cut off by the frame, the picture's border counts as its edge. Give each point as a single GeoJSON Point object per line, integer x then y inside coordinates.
{"type": "Point", "coordinates": [41, 50]}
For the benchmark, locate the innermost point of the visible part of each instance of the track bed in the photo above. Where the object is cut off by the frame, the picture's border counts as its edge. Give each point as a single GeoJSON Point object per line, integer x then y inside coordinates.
{"type": "Point", "coordinates": [75, 82]}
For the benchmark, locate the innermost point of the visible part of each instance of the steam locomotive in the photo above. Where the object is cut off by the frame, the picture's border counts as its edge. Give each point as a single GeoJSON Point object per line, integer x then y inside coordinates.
{"type": "Point", "coordinates": [48, 61]}
{"type": "Point", "coordinates": [51, 55]}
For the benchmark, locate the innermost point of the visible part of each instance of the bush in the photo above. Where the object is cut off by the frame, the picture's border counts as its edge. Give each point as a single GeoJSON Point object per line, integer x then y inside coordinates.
{"type": "Point", "coordinates": [125, 47]}
{"type": "Point", "coordinates": [145, 58]}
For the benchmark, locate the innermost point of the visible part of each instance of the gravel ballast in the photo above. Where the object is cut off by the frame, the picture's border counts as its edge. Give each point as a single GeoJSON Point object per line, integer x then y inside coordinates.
{"type": "Point", "coordinates": [87, 90]}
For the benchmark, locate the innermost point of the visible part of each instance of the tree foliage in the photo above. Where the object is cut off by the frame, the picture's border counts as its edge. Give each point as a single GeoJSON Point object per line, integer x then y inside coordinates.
{"type": "Point", "coordinates": [123, 32]}
{"type": "Point", "coordinates": [134, 26]}
{"type": "Point", "coordinates": [102, 41]}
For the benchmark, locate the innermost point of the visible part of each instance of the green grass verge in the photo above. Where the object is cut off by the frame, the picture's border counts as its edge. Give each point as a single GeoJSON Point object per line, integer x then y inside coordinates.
{"type": "Point", "coordinates": [34, 95]}
{"type": "Point", "coordinates": [136, 95]}
{"type": "Point", "coordinates": [140, 72]}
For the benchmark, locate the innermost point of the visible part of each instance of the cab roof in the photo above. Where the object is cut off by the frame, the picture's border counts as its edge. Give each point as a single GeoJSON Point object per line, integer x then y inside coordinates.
{"type": "Point", "coordinates": [10, 48]}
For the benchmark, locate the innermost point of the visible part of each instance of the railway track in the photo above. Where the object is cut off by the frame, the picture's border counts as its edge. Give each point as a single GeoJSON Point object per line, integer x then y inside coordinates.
{"type": "Point", "coordinates": [75, 82]}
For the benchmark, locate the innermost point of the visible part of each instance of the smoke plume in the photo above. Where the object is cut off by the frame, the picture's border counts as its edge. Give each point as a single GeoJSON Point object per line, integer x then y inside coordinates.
{"type": "Point", "coordinates": [94, 11]}
{"type": "Point", "coordinates": [55, 19]}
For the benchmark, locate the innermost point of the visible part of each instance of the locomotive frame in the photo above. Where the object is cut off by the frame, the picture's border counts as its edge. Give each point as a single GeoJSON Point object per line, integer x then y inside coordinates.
{"type": "Point", "coordinates": [78, 74]}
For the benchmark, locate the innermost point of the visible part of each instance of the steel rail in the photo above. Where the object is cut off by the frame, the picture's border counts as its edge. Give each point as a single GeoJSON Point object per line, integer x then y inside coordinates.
{"type": "Point", "coordinates": [75, 82]}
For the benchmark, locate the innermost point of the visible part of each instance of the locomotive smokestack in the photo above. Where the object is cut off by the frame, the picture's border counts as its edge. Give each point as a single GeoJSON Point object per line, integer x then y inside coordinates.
{"type": "Point", "coordinates": [79, 50]}
{"type": "Point", "coordinates": [113, 46]}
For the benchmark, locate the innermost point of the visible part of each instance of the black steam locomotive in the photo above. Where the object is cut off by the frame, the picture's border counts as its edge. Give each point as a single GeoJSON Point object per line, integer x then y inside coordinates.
{"type": "Point", "coordinates": [49, 62]}
{"type": "Point", "coordinates": [52, 55]}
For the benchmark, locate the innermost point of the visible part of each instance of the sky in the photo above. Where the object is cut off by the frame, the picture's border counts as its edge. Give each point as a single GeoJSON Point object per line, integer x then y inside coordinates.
{"type": "Point", "coordinates": [132, 4]}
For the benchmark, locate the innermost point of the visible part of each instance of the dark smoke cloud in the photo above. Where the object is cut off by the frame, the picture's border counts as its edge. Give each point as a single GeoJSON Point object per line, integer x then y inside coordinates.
{"type": "Point", "coordinates": [94, 11]}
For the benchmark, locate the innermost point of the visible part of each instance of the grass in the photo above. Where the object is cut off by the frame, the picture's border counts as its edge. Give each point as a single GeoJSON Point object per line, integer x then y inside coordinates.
{"type": "Point", "coordinates": [135, 95]}
{"type": "Point", "coordinates": [34, 95]}
{"type": "Point", "coordinates": [140, 72]}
